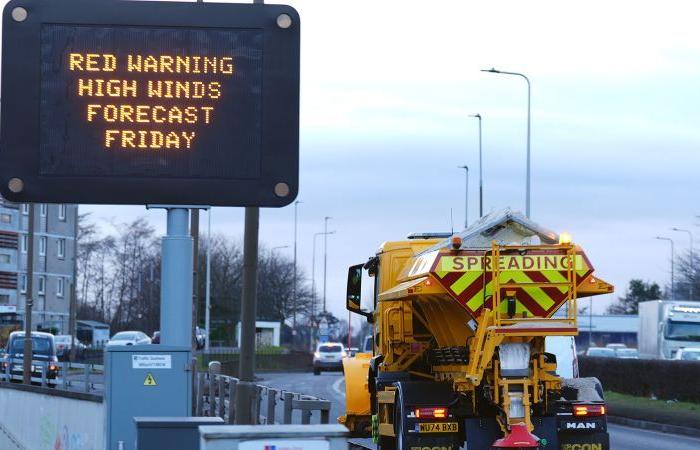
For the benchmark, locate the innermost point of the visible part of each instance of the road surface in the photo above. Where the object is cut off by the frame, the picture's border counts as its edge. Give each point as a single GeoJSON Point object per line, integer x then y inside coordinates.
{"type": "Point", "coordinates": [330, 385]}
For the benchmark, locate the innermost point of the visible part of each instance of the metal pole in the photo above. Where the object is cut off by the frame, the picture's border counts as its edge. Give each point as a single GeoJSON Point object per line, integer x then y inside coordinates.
{"type": "Point", "coordinates": [673, 290]}
{"type": "Point", "coordinates": [72, 322]}
{"type": "Point", "coordinates": [325, 258]}
{"type": "Point", "coordinates": [590, 321]}
{"type": "Point", "coordinates": [466, 197]}
{"type": "Point", "coordinates": [313, 276]}
{"type": "Point", "coordinates": [246, 366]}
{"type": "Point", "coordinates": [207, 310]}
{"type": "Point", "coordinates": [527, 170]}
{"type": "Point", "coordinates": [481, 179]}
{"type": "Point", "coordinates": [29, 301]}
{"type": "Point", "coordinates": [194, 232]}
{"type": "Point", "coordinates": [176, 281]}
{"type": "Point", "coordinates": [294, 292]}
{"type": "Point", "coordinates": [692, 263]}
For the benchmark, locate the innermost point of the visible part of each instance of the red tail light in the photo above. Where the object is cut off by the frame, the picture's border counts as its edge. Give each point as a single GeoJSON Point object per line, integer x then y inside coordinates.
{"type": "Point", "coordinates": [431, 413]}
{"type": "Point", "coordinates": [589, 410]}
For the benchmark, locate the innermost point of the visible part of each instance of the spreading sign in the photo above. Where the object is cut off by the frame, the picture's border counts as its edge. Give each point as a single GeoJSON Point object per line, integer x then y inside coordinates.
{"type": "Point", "coordinates": [149, 102]}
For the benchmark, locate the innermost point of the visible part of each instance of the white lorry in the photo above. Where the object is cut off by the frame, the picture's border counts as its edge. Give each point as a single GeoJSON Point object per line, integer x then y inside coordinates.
{"type": "Point", "coordinates": [665, 326]}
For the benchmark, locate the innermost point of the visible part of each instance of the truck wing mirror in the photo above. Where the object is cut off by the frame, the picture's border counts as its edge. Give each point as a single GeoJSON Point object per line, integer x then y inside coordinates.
{"type": "Point", "coordinates": [354, 292]}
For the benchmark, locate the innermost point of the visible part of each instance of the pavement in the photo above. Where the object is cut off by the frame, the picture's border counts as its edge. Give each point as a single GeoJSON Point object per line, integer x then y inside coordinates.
{"type": "Point", "coordinates": [330, 385]}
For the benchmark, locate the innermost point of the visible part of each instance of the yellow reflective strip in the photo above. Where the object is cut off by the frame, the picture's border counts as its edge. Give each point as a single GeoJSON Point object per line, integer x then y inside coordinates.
{"type": "Point", "coordinates": [540, 296]}
{"type": "Point", "coordinates": [441, 273]}
{"type": "Point", "coordinates": [464, 282]}
{"type": "Point", "coordinates": [477, 301]}
{"type": "Point", "coordinates": [554, 276]}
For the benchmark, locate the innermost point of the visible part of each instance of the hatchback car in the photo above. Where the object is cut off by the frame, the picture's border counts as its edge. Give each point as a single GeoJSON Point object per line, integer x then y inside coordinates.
{"type": "Point", "coordinates": [329, 356]}
{"type": "Point", "coordinates": [688, 354]}
{"type": "Point", "coordinates": [129, 338]}
{"type": "Point", "coordinates": [627, 353]}
{"type": "Point", "coordinates": [600, 352]}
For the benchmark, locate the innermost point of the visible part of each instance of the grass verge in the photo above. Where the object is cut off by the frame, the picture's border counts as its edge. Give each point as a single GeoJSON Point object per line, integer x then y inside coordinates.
{"type": "Point", "coordinates": [684, 414]}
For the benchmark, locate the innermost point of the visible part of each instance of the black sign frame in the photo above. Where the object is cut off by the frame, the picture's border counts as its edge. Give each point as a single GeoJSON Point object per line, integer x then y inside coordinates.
{"type": "Point", "coordinates": [20, 178]}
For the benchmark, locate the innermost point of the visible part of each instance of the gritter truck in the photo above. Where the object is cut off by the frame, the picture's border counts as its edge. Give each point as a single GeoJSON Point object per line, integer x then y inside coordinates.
{"type": "Point", "coordinates": [459, 355]}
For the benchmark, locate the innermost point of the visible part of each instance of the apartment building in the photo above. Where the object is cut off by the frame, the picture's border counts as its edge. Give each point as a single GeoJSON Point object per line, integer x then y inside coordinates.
{"type": "Point", "coordinates": [55, 231]}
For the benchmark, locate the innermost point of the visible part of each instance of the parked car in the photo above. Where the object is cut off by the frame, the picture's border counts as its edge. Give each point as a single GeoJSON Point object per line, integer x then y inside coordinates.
{"type": "Point", "coordinates": [615, 346]}
{"type": "Point", "coordinates": [329, 356]}
{"type": "Point", "coordinates": [688, 354]}
{"type": "Point", "coordinates": [600, 352]}
{"type": "Point", "coordinates": [200, 337]}
{"type": "Point", "coordinates": [627, 353]}
{"type": "Point", "coordinates": [63, 344]}
{"type": "Point", "coordinates": [155, 339]}
{"type": "Point", "coordinates": [43, 350]}
{"type": "Point", "coordinates": [129, 338]}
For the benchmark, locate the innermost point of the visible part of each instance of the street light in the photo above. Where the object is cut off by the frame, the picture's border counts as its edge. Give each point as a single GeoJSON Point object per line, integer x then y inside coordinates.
{"type": "Point", "coordinates": [466, 197]}
{"type": "Point", "coordinates": [313, 271]}
{"type": "Point", "coordinates": [481, 180]}
{"type": "Point", "coordinates": [527, 177]}
{"type": "Point", "coordinates": [662, 238]}
{"type": "Point", "coordinates": [294, 282]}
{"type": "Point", "coordinates": [692, 264]}
{"type": "Point", "coordinates": [325, 258]}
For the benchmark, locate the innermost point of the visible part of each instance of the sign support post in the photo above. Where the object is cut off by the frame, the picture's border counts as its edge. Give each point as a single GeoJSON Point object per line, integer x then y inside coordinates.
{"type": "Point", "coordinates": [176, 281]}
{"type": "Point", "coordinates": [246, 364]}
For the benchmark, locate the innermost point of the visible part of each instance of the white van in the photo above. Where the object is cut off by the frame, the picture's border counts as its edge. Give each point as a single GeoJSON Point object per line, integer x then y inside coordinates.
{"type": "Point", "coordinates": [564, 348]}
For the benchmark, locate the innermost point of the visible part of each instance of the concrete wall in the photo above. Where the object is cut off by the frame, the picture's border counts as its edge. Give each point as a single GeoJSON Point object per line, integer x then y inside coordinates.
{"type": "Point", "coordinates": [34, 420]}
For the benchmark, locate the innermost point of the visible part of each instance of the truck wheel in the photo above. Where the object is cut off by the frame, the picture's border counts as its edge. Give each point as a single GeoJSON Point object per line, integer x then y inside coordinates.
{"type": "Point", "coordinates": [317, 371]}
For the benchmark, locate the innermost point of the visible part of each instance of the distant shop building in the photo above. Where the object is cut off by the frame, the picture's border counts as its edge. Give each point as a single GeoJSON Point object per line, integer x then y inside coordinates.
{"type": "Point", "coordinates": [601, 330]}
{"type": "Point", "coordinates": [267, 334]}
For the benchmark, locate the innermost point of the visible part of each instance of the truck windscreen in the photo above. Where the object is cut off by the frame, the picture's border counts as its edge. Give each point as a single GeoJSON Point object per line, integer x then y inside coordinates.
{"type": "Point", "coordinates": [683, 331]}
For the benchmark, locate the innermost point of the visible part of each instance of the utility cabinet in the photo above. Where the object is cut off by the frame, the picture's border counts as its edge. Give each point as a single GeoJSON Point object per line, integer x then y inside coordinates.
{"type": "Point", "coordinates": [144, 381]}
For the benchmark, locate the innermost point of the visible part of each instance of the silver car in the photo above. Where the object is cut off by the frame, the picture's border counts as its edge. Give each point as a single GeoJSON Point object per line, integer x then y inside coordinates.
{"type": "Point", "coordinates": [129, 338]}
{"type": "Point", "coordinates": [329, 356]}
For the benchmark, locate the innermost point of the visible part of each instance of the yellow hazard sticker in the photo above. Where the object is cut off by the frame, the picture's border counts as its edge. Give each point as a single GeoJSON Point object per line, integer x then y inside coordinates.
{"type": "Point", "coordinates": [149, 381]}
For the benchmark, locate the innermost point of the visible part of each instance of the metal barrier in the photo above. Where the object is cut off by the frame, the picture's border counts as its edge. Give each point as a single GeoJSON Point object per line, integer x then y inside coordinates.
{"type": "Point", "coordinates": [215, 396]}
{"type": "Point", "coordinates": [69, 376]}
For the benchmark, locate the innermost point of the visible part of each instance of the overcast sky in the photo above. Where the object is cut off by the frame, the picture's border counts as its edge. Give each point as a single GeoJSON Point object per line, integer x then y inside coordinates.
{"type": "Point", "coordinates": [386, 92]}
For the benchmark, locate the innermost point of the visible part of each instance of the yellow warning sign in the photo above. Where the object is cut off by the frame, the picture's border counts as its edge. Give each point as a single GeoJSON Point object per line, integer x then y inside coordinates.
{"type": "Point", "coordinates": [149, 381]}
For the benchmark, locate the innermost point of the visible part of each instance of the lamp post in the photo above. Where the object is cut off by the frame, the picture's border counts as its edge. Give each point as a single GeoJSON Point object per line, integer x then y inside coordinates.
{"type": "Point", "coordinates": [692, 263]}
{"type": "Point", "coordinates": [466, 196]}
{"type": "Point", "coordinates": [294, 282]}
{"type": "Point", "coordinates": [481, 179]}
{"type": "Point", "coordinates": [673, 291]}
{"type": "Point", "coordinates": [527, 176]}
{"type": "Point", "coordinates": [313, 270]}
{"type": "Point", "coordinates": [325, 257]}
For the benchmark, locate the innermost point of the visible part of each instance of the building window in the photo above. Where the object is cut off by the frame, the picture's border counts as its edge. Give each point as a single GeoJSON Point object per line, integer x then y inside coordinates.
{"type": "Point", "coordinates": [25, 209]}
{"type": "Point", "coordinates": [4, 299]}
{"type": "Point", "coordinates": [6, 218]}
{"type": "Point", "coordinates": [25, 243]}
{"type": "Point", "coordinates": [5, 258]}
{"type": "Point", "coordinates": [61, 251]}
{"type": "Point", "coordinates": [43, 209]}
{"type": "Point", "coordinates": [23, 283]}
{"type": "Point", "coordinates": [60, 286]}
{"type": "Point", "coordinates": [42, 246]}
{"type": "Point", "coordinates": [62, 211]}
{"type": "Point", "coordinates": [42, 285]}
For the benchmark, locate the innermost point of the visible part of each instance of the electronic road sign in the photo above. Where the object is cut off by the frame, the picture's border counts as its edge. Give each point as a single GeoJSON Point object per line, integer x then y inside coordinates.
{"type": "Point", "coordinates": [131, 102]}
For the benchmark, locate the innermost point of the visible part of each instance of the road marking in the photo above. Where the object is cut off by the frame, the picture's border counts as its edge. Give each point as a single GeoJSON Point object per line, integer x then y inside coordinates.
{"type": "Point", "coordinates": [336, 387]}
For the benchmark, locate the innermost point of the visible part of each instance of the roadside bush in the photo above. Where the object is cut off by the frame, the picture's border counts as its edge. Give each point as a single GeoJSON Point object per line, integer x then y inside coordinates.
{"type": "Point", "coordinates": [665, 380]}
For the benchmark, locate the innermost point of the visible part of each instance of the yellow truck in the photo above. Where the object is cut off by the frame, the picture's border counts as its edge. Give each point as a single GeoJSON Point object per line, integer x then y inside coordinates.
{"type": "Point", "coordinates": [460, 324]}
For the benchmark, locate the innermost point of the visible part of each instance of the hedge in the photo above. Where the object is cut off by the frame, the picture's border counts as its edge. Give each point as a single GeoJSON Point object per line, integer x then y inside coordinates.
{"type": "Point", "coordinates": [662, 379]}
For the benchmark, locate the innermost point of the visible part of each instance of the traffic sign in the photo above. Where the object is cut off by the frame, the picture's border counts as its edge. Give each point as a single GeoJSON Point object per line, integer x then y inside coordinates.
{"type": "Point", "coordinates": [149, 103]}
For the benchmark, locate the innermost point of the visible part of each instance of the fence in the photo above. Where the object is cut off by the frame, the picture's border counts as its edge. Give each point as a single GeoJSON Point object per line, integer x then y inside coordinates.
{"type": "Point", "coordinates": [64, 375]}
{"type": "Point", "coordinates": [663, 379]}
{"type": "Point", "coordinates": [265, 360]}
{"type": "Point", "coordinates": [215, 395]}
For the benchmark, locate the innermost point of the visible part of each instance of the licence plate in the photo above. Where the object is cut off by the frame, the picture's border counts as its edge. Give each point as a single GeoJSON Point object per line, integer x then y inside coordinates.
{"type": "Point", "coordinates": [438, 427]}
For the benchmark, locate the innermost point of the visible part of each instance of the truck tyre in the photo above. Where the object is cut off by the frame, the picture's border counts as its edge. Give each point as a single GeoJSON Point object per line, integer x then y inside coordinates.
{"type": "Point", "coordinates": [317, 371]}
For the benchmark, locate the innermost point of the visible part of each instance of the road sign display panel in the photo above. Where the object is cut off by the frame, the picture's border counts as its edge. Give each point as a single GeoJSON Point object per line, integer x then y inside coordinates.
{"type": "Point", "coordinates": [150, 102]}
